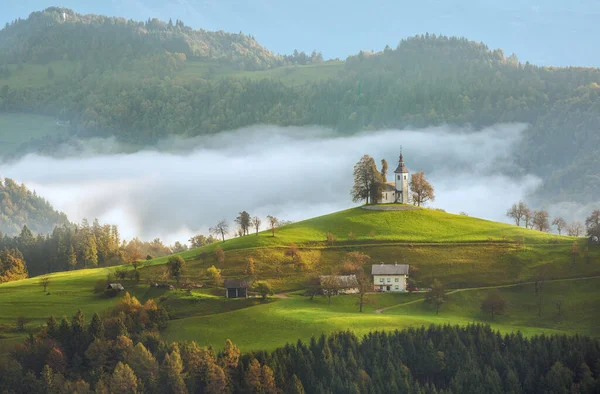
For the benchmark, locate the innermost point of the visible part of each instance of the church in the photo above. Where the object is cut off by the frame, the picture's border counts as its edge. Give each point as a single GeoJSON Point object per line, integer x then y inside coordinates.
{"type": "Point", "coordinates": [396, 191]}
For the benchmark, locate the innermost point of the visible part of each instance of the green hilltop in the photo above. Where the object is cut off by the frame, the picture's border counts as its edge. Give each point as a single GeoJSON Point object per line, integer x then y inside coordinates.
{"type": "Point", "coordinates": [471, 256]}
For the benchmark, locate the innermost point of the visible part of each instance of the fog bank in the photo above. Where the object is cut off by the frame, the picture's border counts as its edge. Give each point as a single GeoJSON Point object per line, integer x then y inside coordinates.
{"type": "Point", "coordinates": [183, 187]}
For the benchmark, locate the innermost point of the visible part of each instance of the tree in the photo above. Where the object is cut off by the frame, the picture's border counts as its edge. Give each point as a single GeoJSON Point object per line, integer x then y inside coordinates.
{"type": "Point", "coordinates": [96, 327]}
{"type": "Point", "coordinates": [273, 223]}
{"type": "Point", "coordinates": [219, 255]}
{"type": "Point", "coordinates": [528, 217]}
{"type": "Point", "coordinates": [365, 285]}
{"type": "Point", "coordinates": [384, 170]}
{"type": "Point", "coordinates": [250, 266]}
{"type": "Point", "coordinates": [123, 380]}
{"type": "Point", "coordinates": [176, 266]}
{"type": "Point", "coordinates": [437, 295]}
{"type": "Point", "coordinates": [243, 220]}
{"type": "Point", "coordinates": [292, 252]}
{"type": "Point", "coordinates": [214, 274]}
{"type": "Point", "coordinates": [172, 374]}
{"type": "Point", "coordinates": [541, 220]}
{"type": "Point", "coordinates": [256, 222]}
{"type": "Point", "coordinates": [575, 229]}
{"type": "Point", "coordinates": [517, 212]}
{"type": "Point", "coordinates": [421, 189]}
{"type": "Point", "coordinates": [592, 223]}
{"type": "Point", "coordinates": [44, 282]}
{"type": "Point", "coordinates": [220, 229]}
{"type": "Point", "coordinates": [494, 304]}
{"type": "Point", "coordinates": [330, 285]}
{"type": "Point", "coordinates": [560, 224]}
{"type": "Point", "coordinates": [263, 288]}
{"type": "Point", "coordinates": [368, 181]}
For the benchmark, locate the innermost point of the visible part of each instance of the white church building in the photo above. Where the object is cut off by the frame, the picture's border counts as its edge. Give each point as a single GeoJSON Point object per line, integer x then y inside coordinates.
{"type": "Point", "coordinates": [396, 191]}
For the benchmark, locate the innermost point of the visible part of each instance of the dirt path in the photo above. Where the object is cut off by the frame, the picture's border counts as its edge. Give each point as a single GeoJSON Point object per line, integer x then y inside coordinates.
{"type": "Point", "coordinates": [381, 310]}
{"type": "Point", "coordinates": [283, 296]}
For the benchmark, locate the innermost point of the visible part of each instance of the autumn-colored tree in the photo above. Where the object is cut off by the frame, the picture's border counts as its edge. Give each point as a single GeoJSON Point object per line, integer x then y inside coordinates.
{"type": "Point", "coordinates": [172, 374]}
{"type": "Point", "coordinates": [592, 224]}
{"type": "Point", "coordinates": [422, 191]}
{"type": "Point", "coordinates": [214, 274]}
{"type": "Point", "coordinates": [330, 285]}
{"type": "Point", "coordinates": [368, 181]}
{"type": "Point", "coordinates": [123, 380]}
{"type": "Point", "coordinates": [144, 366]}
{"type": "Point", "coordinates": [384, 170]}
{"type": "Point", "coordinates": [219, 255]}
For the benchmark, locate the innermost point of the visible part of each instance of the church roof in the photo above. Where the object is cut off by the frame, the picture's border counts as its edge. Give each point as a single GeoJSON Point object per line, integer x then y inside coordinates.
{"type": "Point", "coordinates": [401, 167]}
{"type": "Point", "coordinates": [388, 187]}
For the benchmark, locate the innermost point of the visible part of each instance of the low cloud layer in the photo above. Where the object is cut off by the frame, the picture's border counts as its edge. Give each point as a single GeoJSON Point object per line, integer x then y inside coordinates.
{"type": "Point", "coordinates": [293, 173]}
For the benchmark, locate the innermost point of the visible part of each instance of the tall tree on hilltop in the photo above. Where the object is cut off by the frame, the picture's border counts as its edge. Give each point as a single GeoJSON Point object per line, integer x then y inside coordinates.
{"type": "Point", "coordinates": [256, 222]}
{"type": "Point", "coordinates": [176, 266]}
{"type": "Point", "coordinates": [560, 224]}
{"type": "Point", "coordinates": [273, 223]}
{"type": "Point", "coordinates": [541, 220]}
{"type": "Point", "coordinates": [422, 190]}
{"type": "Point", "coordinates": [220, 229]}
{"type": "Point", "coordinates": [243, 220]}
{"type": "Point", "coordinates": [517, 212]}
{"type": "Point", "coordinates": [368, 181]}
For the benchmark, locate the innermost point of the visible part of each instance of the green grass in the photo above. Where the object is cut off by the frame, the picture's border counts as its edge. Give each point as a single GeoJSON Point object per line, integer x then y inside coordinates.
{"type": "Point", "coordinates": [285, 321]}
{"type": "Point", "coordinates": [17, 128]}
{"type": "Point", "coordinates": [36, 75]}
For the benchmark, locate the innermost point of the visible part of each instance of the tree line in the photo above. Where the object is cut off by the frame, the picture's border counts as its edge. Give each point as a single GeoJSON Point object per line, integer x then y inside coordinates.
{"type": "Point", "coordinates": [123, 352]}
{"type": "Point", "coordinates": [540, 220]}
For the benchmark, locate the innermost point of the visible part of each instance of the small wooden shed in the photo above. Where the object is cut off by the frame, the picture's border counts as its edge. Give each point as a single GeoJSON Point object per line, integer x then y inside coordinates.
{"type": "Point", "coordinates": [236, 288]}
{"type": "Point", "coordinates": [115, 286]}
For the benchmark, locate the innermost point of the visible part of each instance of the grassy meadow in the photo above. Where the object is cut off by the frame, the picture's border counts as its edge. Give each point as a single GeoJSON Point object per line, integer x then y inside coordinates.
{"type": "Point", "coordinates": [464, 253]}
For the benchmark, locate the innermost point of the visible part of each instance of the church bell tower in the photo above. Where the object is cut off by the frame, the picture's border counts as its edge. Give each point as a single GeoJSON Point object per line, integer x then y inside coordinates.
{"type": "Point", "coordinates": [401, 180]}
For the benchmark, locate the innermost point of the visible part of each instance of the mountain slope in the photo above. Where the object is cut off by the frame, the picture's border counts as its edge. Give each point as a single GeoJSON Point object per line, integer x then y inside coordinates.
{"type": "Point", "coordinates": [20, 206]}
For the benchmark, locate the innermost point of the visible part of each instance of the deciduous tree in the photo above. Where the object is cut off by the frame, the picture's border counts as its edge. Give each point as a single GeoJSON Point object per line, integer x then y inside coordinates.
{"type": "Point", "coordinates": [422, 191]}
{"type": "Point", "coordinates": [592, 224]}
{"type": "Point", "coordinates": [263, 288]}
{"type": "Point", "coordinates": [273, 223]}
{"type": "Point", "coordinates": [560, 224]}
{"type": "Point", "coordinates": [541, 220]}
{"type": "Point", "coordinates": [437, 295]}
{"type": "Point", "coordinates": [517, 212]}
{"type": "Point", "coordinates": [494, 304]}
{"type": "Point", "coordinates": [368, 181]}
{"type": "Point", "coordinates": [214, 274]}
{"type": "Point", "coordinates": [243, 220]}
{"type": "Point", "coordinates": [575, 229]}
{"type": "Point", "coordinates": [220, 229]}
{"type": "Point", "coordinates": [256, 222]}
{"type": "Point", "coordinates": [176, 266]}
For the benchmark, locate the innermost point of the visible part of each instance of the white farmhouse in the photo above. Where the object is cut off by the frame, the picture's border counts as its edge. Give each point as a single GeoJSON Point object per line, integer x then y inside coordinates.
{"type": "Point", "coordinates": [396, 191]}
{"type": "Point", "coordinates": [389, 277]}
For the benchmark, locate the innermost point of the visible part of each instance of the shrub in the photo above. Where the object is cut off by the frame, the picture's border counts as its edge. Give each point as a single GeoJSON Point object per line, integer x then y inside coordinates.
{"type": "Point", "coordinates": [331, 238]}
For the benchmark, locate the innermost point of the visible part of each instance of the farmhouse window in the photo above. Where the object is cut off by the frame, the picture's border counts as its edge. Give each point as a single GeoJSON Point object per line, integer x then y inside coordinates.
{"type": "Point", "coordinates": [389, 280]}
{"type": "Point", "coordinates": [397, 280]}
{"type": "Point", "coordinates": [396, 286]}
{"type": "Point", "coordinates": [381, 280]}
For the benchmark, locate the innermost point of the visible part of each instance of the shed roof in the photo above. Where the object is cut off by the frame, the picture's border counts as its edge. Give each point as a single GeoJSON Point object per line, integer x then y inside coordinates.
{"type": "Point", "coordinates": [343, 281]}
{"type": "Point", "coordinates": [115, 286]}
{"type": "Point", "coordinates": [236, 283]}
{"type": "Point", "coordinates": [389, 269]}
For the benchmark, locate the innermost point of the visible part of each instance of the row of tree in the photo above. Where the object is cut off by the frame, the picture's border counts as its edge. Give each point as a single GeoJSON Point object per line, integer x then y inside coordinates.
{"type": "Point", "coordinates": [540, 220]}
{"type": "Point", "coordinates": [369, 183]}
{"type": "Point", "coordinates": [124, 353]}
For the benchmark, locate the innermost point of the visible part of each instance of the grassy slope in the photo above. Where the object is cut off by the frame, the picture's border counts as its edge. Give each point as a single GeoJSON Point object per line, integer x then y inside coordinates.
{"type": "Point", "coordinates": [286, 321]}
{"type": "Point", "coordinates": [468, 252]}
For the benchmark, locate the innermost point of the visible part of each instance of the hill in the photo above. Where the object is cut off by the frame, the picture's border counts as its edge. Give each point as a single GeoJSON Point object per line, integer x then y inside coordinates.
{"type": "Point", "coordinates": [20, 206]}
{"type": "Point", "coordinates": [462, 252]}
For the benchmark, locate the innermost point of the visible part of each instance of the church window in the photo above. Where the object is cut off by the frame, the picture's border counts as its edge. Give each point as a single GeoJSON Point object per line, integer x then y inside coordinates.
{"type": "Point", "coordinates": [404, 177]}
{"type": "Point", "coordinates": [398, 177]}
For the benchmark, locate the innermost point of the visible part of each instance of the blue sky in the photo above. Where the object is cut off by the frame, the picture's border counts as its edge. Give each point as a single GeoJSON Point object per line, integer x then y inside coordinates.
{"type": "Point", "coordinates": [547, 32]}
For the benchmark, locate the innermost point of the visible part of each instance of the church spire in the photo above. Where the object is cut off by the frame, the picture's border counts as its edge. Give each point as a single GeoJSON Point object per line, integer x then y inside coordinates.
{"type": "Point", "coordinates": [401, 167]}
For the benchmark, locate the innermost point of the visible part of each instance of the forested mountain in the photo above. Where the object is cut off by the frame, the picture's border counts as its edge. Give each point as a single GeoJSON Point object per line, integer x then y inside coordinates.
{"type": "Point", "coordinates": [149, 90]}
{"type": "Point", "coordinates": [19, 207]}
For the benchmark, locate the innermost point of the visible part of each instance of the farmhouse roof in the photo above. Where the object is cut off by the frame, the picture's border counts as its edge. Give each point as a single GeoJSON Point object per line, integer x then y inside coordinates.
{"type": "Point", "coordinates": [401, 169]}
{"type": "Point", "coordinates": [343, 281]}
{"type": "Point", "coordinates": [115, 286]}
{"type": "Point", "coordinates": [236, 283]}
{"type": "Point", "coordinates": [389, 269]}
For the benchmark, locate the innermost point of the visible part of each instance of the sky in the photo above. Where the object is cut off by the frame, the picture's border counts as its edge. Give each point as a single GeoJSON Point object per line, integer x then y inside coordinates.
{"type": "Point", "coordinates": [182, 187]}
{"type": "Point", "coordinates": [547, 32]}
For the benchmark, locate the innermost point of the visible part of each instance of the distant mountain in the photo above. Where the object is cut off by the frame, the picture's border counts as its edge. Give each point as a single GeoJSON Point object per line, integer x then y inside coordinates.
{"type": "Point", "coordinates": [19, 206]}
{"type": "Point", "coordinates": [542, 32]}
{"type": "Point", "coordinates": [62, 34]}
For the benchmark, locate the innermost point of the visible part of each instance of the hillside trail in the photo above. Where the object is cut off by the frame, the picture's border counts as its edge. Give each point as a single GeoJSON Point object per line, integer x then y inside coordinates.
{"type": "Point", "coordinates": [381, 310]}
{"type": "Point", "coordinates": [283, 296]}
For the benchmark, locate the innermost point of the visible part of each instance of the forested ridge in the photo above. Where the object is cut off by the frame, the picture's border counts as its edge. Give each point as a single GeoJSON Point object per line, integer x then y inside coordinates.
{"type": "Point", "coordinates": [144, 95]}
{"type": "Point", "coordinates": [20, 206]}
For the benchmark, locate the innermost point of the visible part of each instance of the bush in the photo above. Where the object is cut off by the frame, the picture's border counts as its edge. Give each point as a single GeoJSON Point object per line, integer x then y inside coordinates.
{"type": "Point", "coordinates": [263, 288]}
{"type": "Point", "coordinates": [21, 321]}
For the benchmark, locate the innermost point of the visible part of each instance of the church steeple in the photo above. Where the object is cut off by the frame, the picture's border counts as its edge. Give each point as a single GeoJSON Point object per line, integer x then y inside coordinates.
{"type": "Point", "coordinates": [401, 167]}
{"type": "Point", "coordinates": [401, 178]}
